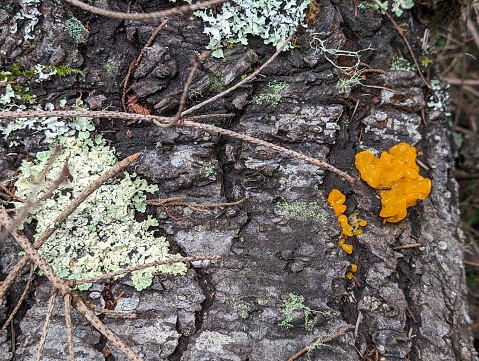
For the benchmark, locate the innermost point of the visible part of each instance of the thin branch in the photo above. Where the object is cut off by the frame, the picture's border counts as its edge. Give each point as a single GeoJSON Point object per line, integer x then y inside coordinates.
{"type": "Point", "coordinates": [321, 340]}
{"type": "Point", "coordinates": [179, 10]}
{"type": "Point", "coordinates": [469, 263]}
{"type": "Point", "coordinates": [143, 266]}
{"type": "Point", "coordinates": [188, 82]}
{"type": "Point", "coordinates": [134, 64]}
{"type": "Point", "coordinates": [22, 298]}
{"type": "Point", "coordinates": [32, 198]}
{"type": "Point", "coordinates": [98, 309]}
{"type": "Point", "coordinates": [46, 325]}
{"type": "Point", "coordinates": [68, 323]}
{"type": "Point", "coordinates": [401, 32]}
{"type": "Point", "coordinates": [11, 194]}
{"type": "Point", "coordinates": [283, 150]}
{"type": "Point", "coordinates": [62, 286]}
{"type": "Point", "coordinates": [164, 122]}
{"type": "Point", "coordinates": [406, 246]}
{"type": "Point", "coordinates": [63, 215]}
{"type": "Point", "coordinates": [178, 201]}
{"type": "Point", "coordinates": [249, 78]}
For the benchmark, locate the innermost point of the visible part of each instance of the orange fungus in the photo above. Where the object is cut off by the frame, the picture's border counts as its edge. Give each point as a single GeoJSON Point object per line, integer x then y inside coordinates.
{"type": "Point", "coordinates": [396, 177]}
{"type": "Point", "coordinates": [336, 200]}
{"type": "Point", "coordinates": [350, 226]}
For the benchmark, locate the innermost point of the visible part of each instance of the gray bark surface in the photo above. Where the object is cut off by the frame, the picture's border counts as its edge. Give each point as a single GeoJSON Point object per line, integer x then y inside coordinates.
{"type": "Point", "coordinates": [407, 304]}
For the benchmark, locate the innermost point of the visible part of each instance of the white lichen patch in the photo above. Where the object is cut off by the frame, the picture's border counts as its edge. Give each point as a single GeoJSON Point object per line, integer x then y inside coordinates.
{"type": "Point", "coordinates": [31, 16]}
{"type": "Point", "coordinates": [51, 126]}
{"type": "Point", "coordinates": [272, 20]}
{"type": "Point", "coordinates": [102, 235]}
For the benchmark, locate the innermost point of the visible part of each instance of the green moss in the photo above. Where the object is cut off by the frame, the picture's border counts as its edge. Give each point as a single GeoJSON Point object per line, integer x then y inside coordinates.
{"type": "Point", "coordinates": [217, 83]}
{"type": "Point", "coordinates": [102, 235]}
{"type": "Point", "coordinates": [17, 95]}
{"type": "Point", "coordinates": [402, 65]}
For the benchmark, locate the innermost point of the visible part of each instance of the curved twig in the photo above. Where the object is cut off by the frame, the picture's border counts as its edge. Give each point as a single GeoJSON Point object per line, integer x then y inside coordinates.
{"type": "Point", "coordinates": [179, 10]}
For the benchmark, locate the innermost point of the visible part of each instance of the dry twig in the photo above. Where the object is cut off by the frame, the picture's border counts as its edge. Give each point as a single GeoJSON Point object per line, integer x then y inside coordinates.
{"type": "Point", "coordinates": [46, 325]}
{"type": "Point", "coordinates": [62, 216]}
{"type": "Point", "coordinates": [249, 78]}
{"type": "Point", "coordinates": [179, 10]}
{"type": "Point", "coordinates": [165, 122]}
{"type": "Point", "coordinates": [188, 82]}
{"type": "Point", "coordinates": [322, 340]}
{"type": "Point", "coordinates": [134, 64]}
{"type": "Point", "coordinates": [22, 298]}
{"type": "Point", "coordinates": [112, 313]}
{"type": "Point", "coordinates": [146, 265]}
{"type": "Point", "coordinates": [401, 32]}
{"type": "Point", "coordinates": [62, 286]}
{"type": "Point", "coordinates": [68, 323]}
{"type": "Point", "coordinates": [32, 201]}
{"type": "Point", "coordinates": [200, 207]}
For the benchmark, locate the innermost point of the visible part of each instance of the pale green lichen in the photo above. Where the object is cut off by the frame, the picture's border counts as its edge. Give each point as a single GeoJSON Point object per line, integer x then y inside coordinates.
{"type": "Point", "coordinates": [401, 64]}
{"type": "Point", "coordinates": [293, 304]}
{"type": "Point", "coordinates": [52, 127]}
{"type": "Point", "coordinates": [242, 308]}
{"type": "Point", "coordinates": [439, 100]}
{"type": "Point", "coordinates": [302, 211]}
{"type": "Point", "coordinates": [31, 16]}
{"type": "Point", "coordinates": [76, 30]}
{"type": "Point", "coordinates": [102, 235]}
{"type": "Point", "coordinates": [272, 20]}
{"type": "Point", "coordinates": [397, 6]}
{"type": "Point", "coordinates": [271, 94]}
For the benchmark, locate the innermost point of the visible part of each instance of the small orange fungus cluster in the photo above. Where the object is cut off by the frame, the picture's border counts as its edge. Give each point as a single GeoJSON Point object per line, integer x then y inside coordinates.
{"type": "Point", "coordinates": [353, 268]}
{"type": "Point", "coordinates": [349, 226]}
{"type": "Point", "coordinates": [395, 176]}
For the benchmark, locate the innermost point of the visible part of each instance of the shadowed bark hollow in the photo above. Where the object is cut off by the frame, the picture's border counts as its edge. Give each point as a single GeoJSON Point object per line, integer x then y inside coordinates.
{"type": "Point", "coordinates": [406, 303]}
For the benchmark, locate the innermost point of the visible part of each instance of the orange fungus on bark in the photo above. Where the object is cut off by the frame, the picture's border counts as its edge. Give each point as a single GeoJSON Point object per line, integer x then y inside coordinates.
{"type": "Point", "coordinates": [395, 175]}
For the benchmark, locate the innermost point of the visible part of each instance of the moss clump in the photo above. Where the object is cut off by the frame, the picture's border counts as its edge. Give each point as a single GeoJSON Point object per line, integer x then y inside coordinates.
{"type": "Point", "coordinates": [102, 235]}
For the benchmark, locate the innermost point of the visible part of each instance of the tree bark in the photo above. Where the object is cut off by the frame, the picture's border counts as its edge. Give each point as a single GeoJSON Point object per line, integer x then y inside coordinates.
{"type": "Point", "coordinates": [405, 303]}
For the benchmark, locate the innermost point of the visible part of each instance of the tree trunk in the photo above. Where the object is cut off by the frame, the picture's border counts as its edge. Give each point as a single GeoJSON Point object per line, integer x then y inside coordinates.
{"type": "Point", "coordinates": [282, 241]}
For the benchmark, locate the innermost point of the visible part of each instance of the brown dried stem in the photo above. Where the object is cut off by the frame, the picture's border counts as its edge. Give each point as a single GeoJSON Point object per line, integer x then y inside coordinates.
{"type": "Point", "coordinates": [401, 32]}
{"type": "Point", "coordinates": [188, 82]}
{"type": "Point", "coordinates": [46, 325]}
{"type": "Point", "coordinates": [98, 309]}
{"type": "Point", "coordinates": [146, 265]}
{"type": "Point", "coordinates": [68, 323]}
{"type": "Point", "coordinates": [322, 340]}
{"type": "Point", "coordinates": [179, 10]}
{"type": "Point", "coordinates": [165, 121]}
{"type": "Point", "coordinates": [249, 78]}
{"type": "Point", "coordinates": [11, 194]}
{"type": "Point", "coordinates": [32, 201]}
{"type": "Point", "coordinates": [178, 201]}
{"type": "Point", "coordinates": [134, 64]}
{"type": "Point", "coordinates": [63, 215]}
{"type": "Point", "coordinates": [62, 286]}
{"type": "Point", "coordinates": [22, 298]}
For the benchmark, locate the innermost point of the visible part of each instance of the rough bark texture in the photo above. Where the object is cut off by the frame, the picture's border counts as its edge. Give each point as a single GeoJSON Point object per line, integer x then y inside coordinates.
{"type": "Point", "coordinates": [407, 304]}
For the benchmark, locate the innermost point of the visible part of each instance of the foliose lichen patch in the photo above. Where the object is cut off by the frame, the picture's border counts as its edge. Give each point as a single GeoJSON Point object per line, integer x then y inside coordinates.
{"type": "Point", "coordinates": [102, 235]}
{"type": "Point", "coordinates": [272, 20]}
